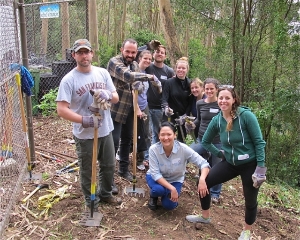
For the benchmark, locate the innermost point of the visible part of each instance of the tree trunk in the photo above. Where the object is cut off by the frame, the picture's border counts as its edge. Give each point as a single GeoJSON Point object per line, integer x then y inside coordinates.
{"type": "Point", "coordinates": [123, 22]}
{"type": "Point", "coordinates": [65, 29]}
{"type": "Point", "coordinates": [169, 30]}
{"type": "Point", "coordinates": [93, 28]}
{"type": "Point", "coordinates": [44, 36]}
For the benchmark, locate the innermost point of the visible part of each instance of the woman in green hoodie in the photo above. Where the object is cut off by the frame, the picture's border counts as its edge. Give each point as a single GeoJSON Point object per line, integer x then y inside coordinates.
{"type": "Point", "coordinates": [242, 155]}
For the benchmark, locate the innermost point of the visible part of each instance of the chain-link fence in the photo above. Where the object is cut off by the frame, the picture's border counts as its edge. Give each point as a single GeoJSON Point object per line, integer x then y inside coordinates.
{"type": "Point", "coordinates": [52, 28]}
{"type": "Point", "coordinates": [12, 152]}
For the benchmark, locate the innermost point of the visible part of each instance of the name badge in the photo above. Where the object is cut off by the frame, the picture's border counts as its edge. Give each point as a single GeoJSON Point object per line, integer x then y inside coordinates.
{"type": "Point", "coordinates": [163, 77]}
{"type": "Point", "coordinates": [243, 157]}
{"type": "Point", "coordinates": [213, 110]}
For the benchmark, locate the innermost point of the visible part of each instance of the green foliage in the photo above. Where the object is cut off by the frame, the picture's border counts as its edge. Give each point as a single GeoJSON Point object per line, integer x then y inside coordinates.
{"type": "Point", "coordinates": [105, 52]}
{"type": "Point", "coordinates": [197, 58]}
{"type": "Point", "coordinates": [48, 104]}
{"type": "Point", "coordinates": [279, 195]}
{"type": "Point", "coordinates": [144, 36]}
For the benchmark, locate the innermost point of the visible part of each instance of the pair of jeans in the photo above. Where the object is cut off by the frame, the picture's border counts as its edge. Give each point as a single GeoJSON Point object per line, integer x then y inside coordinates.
{"type": "Point", "coordinates": [155, 119]}
{"type": "Point", "coordinates": [106, 160]}
{"type": "Point", "coordinates": [158, 190]}
{"type": "Point", "coordinates": [223, 172]}
{"type": "Point", "coordinates": [197, 147]}
{"type": "Point", "coordinates": [125, 132]}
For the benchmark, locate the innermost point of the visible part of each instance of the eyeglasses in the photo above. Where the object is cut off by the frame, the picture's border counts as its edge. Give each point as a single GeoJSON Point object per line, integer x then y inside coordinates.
{"type": "Point", "coordinates": [226, 86]}
{"type": "Point", "coordinates": [83, 52]}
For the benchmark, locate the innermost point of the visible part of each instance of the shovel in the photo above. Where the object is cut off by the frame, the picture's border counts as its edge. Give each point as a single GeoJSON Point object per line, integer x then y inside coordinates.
{"type": "Point", "coordinates": [94, 218]}
{"type": "Point", "coordinates": [133, 191]}
{"type": "Point", "coordinates": [30, 165]}
{"type": "Point", "coordinates": [38, 187]}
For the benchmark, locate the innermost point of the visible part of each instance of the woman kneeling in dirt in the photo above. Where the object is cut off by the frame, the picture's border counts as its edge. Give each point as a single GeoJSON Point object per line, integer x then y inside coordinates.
{"type": "Point", "coordinates": [167, 164]}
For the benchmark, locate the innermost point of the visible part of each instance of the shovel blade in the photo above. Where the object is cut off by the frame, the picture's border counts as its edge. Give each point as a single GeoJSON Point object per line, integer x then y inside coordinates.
{"type": "Point", "coordinates": [37, 177]}
{"type": "Point", "coordinates": [89, 221]}
{"type": "Point", "coordinates": [136, 192]}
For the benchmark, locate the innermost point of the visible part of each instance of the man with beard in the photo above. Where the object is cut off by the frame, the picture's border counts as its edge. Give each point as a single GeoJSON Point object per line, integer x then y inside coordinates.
{"type": "Point", "coordinates": [162, 72]}
{"type": "Point", "coordinates": [75, 103]}
{"type": "Point", "coordinates": [126, 77]}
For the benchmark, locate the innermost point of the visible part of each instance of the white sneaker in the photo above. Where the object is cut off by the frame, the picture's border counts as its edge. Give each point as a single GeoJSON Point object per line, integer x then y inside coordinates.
{"type": "Point", "coordinates": [117, 157]}
{"type": "Point", "coordinates": [141, 167]}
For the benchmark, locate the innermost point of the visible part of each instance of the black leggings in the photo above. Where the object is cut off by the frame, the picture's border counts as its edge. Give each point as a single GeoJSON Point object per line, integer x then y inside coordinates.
{"type": "Point", "coordinates": [223, 172]}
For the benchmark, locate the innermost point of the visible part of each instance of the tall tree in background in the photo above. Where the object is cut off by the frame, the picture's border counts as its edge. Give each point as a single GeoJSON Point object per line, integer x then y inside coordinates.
{"type": "Point", "coordinates": [169, 29]}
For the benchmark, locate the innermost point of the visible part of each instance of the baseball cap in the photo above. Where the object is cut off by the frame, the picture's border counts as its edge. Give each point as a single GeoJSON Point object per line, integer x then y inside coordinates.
{"type": "Point", "coordinates": [81, 43]}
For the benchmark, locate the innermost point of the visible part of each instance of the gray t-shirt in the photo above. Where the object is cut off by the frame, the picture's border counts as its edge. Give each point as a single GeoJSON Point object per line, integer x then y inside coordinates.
{"type": "Point", "coordinates": [74, 89]}
{"type": "Point", "coordinates": [205, 112]}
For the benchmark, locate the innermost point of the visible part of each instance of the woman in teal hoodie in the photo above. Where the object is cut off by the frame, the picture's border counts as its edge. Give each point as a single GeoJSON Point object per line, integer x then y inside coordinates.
{"type": "Point", "coordinates": [242, 155]}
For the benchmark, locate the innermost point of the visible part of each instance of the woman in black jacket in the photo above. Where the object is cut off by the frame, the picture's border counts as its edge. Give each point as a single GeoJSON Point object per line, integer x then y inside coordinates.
{"type": "Point", "coordinates": [176, 97]}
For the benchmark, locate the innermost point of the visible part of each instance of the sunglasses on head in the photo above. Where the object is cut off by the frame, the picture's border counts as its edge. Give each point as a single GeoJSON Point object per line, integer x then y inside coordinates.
{"type": "Point", "coordinates": [226, 86]}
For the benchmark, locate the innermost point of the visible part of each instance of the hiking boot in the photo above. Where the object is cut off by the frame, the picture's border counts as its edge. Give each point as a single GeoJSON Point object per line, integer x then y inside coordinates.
{"type": "Point", "coordinates": [126, 175]}
{"type": "Point", "coordinates": [197, 219]}
{"type": "Point", "coordinates": [215, 200]}
{"type": "Point", "coordinates": [111, 200]}
{"type": "Point", "coordinates": [114, 190]}
{"type": "Point", "coordinates": [152, 203]}
{"type": "Point", "coordinates": [245, 235]}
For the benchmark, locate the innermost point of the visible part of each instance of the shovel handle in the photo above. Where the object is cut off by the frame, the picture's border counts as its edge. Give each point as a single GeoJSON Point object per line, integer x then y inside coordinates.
{"type": "Point", "coordinates": [31, 194]}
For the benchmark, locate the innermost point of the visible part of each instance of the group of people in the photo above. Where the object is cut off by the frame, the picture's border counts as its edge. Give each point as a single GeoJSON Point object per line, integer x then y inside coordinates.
{"type": "Point", "coordinates": [227, 133]}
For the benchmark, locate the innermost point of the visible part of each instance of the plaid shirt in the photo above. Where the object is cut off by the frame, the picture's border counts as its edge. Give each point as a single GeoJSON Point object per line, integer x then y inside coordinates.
{"type": "Point", "coordinates": [123, 75]}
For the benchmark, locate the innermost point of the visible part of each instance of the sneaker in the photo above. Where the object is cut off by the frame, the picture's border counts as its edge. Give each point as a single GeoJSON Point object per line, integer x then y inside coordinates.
{"type": "Point", "coordinates": [245, 235]}
{"type": "Point", "coordinates": [152, 203]}
{"type": "Point", "coordinates": [197, 219]}
{"type": "Point", "coordinates": [126, 175]}
{"type": "Point", "coordinates": [111, 200]}
{"type": "Point", "coordinates": [117, 157]}
{"type": "Point", "coordinates": [141, 167]}
{"type": "Point", "coordinates": [114, 190]}
{"type": "Point", "coordinates": [215, 200]}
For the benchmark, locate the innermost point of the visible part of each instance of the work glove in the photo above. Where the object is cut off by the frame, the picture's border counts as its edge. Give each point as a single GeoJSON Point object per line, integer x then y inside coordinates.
{"type": "Point", "coordinates": [189, 126]}
{"type": "Point", "coordinates": [168, 111]}
{"type": "Point", "coordinates": [181, 120]}
{"type": "Point", "coordinates": [259, 176]}
{"type": "Point", "coordinates": [154, 44]}
{"type": "Point", "coordinates": [102, 95]}
{"type": "Point", "coordinates": [94, 121]}
{"type": "Point", "coordinates": [144, 116]}
{"type": "Point", "coordinates": [138, 85]}
{"type": "Point", "coordinates": [156, 83]}
{"type": "Point", "coordinates": [101, 100]}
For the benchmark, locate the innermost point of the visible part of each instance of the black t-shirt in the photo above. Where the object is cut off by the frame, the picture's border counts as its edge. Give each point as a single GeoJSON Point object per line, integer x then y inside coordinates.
{"type": "Point", "coordinates": [153, 97]}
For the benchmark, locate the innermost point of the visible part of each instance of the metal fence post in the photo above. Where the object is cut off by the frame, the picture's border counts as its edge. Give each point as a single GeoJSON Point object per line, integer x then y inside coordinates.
{"type": "Point", "coordinates": [25, 64]}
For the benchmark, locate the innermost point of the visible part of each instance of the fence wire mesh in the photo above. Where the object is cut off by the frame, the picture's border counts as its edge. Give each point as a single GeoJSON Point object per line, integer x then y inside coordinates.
{"type": "Point", "coordinates": [12, 157]}
{"type": "Point", "coordinates": [49, 42]}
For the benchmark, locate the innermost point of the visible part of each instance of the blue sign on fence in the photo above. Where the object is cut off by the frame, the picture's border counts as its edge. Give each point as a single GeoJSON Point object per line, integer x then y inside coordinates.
{"type": "Point", "coordinates": [49, 11]}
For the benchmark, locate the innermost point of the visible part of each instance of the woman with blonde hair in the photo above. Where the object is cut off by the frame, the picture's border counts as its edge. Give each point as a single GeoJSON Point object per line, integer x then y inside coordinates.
{"type": "Point", "coordinates": [176, 97]}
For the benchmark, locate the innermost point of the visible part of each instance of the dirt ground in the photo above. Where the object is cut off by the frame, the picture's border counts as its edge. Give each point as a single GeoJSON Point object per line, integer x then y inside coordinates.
{"type": "Point", "coordinates": [132, 219]}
